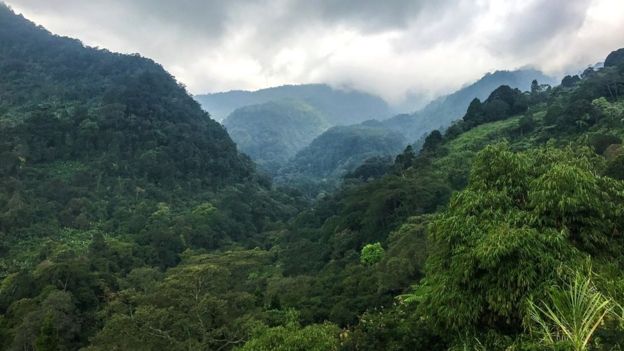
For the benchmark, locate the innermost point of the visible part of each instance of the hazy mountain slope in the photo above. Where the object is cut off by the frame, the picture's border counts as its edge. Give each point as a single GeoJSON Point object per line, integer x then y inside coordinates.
{"type": "Point", "coordinates": [341, 107]}
{"type": "Point", "coordinates": [443, 111]}
{"type": "Point", "coordinates": [340, 150]}
{"type": "Point", "coordinates": [273, 132]}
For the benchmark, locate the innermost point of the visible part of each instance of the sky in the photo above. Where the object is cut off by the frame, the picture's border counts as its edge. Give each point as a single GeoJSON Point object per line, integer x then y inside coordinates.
{"type": "Point", "coordinates": [391, 48]}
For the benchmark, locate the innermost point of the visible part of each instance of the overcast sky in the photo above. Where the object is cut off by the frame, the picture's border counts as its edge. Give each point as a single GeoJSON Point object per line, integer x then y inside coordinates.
{"type": "Point", "coordinates": [386, 47]}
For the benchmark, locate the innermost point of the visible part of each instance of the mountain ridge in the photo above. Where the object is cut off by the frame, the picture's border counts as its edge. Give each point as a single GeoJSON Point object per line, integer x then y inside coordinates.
{"type": "Point", "coordinates": [341, 107]}
{"type": "Point", "coordinates": [444, 110]}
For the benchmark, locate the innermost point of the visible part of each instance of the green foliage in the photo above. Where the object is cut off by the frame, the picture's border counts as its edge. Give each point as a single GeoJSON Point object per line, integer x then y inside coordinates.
{"type": "Point", "coordinates": [523, 217]}
{"type": "Point", "coordinates": [406, 159]}
{"type": "Point", "coordinates": [432, 141]}
{"type": "Point", "coordinates": [570, 81]}
{"type": "Point", "coordinates": [53, 323]}
{"type": "Point", "coordinates": [600, 142]}
{"type": "Point", "coordinates": [292, 337]}
{"type": "Point", "coordinates": [571, 315]}
{"type": "Point", "coordinates": [395, 328]}
{"type": "Point", "coordinates": [206, 302]}
{"type": "Point", "coordinates": [615, 168]}
{"type": "Point", "coordinates": [372, 253]}
{"type": "Point", "coordinates": [48, 337]}
{"type": "Point", "coordinates": [502, 103]}
{"type": "Point", "coordinates": [371, 169]}
{"type": "Point", "coordinates": [526, 124]}
{"type": "Point", "coordinates": [404, 261]}
{"type": "Point", "coordinates": [86, 133]}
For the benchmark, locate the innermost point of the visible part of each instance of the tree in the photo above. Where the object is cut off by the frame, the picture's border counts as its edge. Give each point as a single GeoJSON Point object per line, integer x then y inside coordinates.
{"type": "Point", "coordinates": [315, 337]}
{"type": "Point", "coordinates": [535, 87]}
{"type": "Point", "coordinates": [600, 142]}
{"type": "Point", "coordinates": [570, 81]}
{"type": "Point", "coordinates": [372, 253]}
{"type": "Point", "coordinates": [48, 338]}
{"type": "Point", "coordinates": [474, 113]}
{"type": "Point", "coordinates": [205, 302]}
{"type": "Point", "coordinates": [372, 168]}
{"type": "Point", "coordinates": [615, 58]}
{"type": "Point", "coordinates": [588, 73]}
{"type": "Point", "coordinates": [526, 124]}
{"type": "Point", "coordinates": [474, 108]}
{"type": "Point", "coordinates": [615, 167]}
{"type": "Point", "coordinates": [432, 141]}
{"type": "Point", "coordinates": [523, 218]}
{"type": "Point", "coordinates": [502, 103]}
{"type": "Point", "coordinates": [405, 160]}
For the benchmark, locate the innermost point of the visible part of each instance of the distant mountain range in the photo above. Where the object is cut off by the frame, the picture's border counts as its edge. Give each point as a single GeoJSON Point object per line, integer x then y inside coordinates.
{"type": "Point", "coordinates": [288, 130]}
{"type": "Point", "coordinates": [340, 107]}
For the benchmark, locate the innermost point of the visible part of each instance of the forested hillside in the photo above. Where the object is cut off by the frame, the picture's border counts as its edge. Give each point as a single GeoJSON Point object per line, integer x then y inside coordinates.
{"type": "Point", "coordinates": [107, 167]}
{"type": "Point", "coordinates": [131, 222]}
{"type": "Point", "coordinates": [89, 136]}
{"type": "Point", "coordinates": [322, 164]}
{"type": "Point", "coordinates": [273, 132]}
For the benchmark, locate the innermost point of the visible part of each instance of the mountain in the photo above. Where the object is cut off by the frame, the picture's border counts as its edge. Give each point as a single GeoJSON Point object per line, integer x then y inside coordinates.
{"type": "Point", "coordinates": [87, 136]}
{"type": "Point", "coordinates": [95, 140]}
{"type": "Point", "coordinates": [117, 114]}
{"type": "Point", "coordinates": [443, 111]}
{"type": "Point", "coordinates": [340, 150]}
{"type": "Point", "coordinates": [340, 107]}
{"type": "Point", "coordinates": [273, 132]}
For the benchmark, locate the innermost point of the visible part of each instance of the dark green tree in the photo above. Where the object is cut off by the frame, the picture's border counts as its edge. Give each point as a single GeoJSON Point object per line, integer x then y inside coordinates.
{"type": "Point", "coordinates": [48, 338]}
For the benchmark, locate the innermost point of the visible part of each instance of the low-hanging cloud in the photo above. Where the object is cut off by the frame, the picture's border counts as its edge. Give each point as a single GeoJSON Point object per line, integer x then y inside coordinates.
{"type": "Point", "coordinates": [390, 48]}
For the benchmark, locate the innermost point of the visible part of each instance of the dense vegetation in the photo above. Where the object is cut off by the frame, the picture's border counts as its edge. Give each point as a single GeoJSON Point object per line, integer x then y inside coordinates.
{"type": "Point", "coordinates": [340, 107]}
{"type": "Point", "coordinates": [107, 166]}
{"type": "Point", "coordinates": [274, 132]}
{"type": "Point", "coordinates": [130, 222]}
{"type": "Point", "coordinates": [320, 165]}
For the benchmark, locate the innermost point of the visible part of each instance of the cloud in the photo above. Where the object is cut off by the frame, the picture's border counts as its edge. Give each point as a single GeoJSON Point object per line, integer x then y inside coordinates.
{"type": "Point", "coordinates": [391, 48]}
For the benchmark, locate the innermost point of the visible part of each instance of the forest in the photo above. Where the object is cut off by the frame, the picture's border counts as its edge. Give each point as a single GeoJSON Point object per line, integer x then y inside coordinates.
{"type": "Point", "coordinates": [130, 220]}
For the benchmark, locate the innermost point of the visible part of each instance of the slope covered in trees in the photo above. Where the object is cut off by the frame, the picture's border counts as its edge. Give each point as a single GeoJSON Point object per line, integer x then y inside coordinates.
{"type": "Point", "coordinates": [338, 151]}
{"type": "Point", "coordinates": [273, 132]}
{"type": "Point", "coordinates": [88, 135]}
{"type": "Point", "coordinates": [107, 166]}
